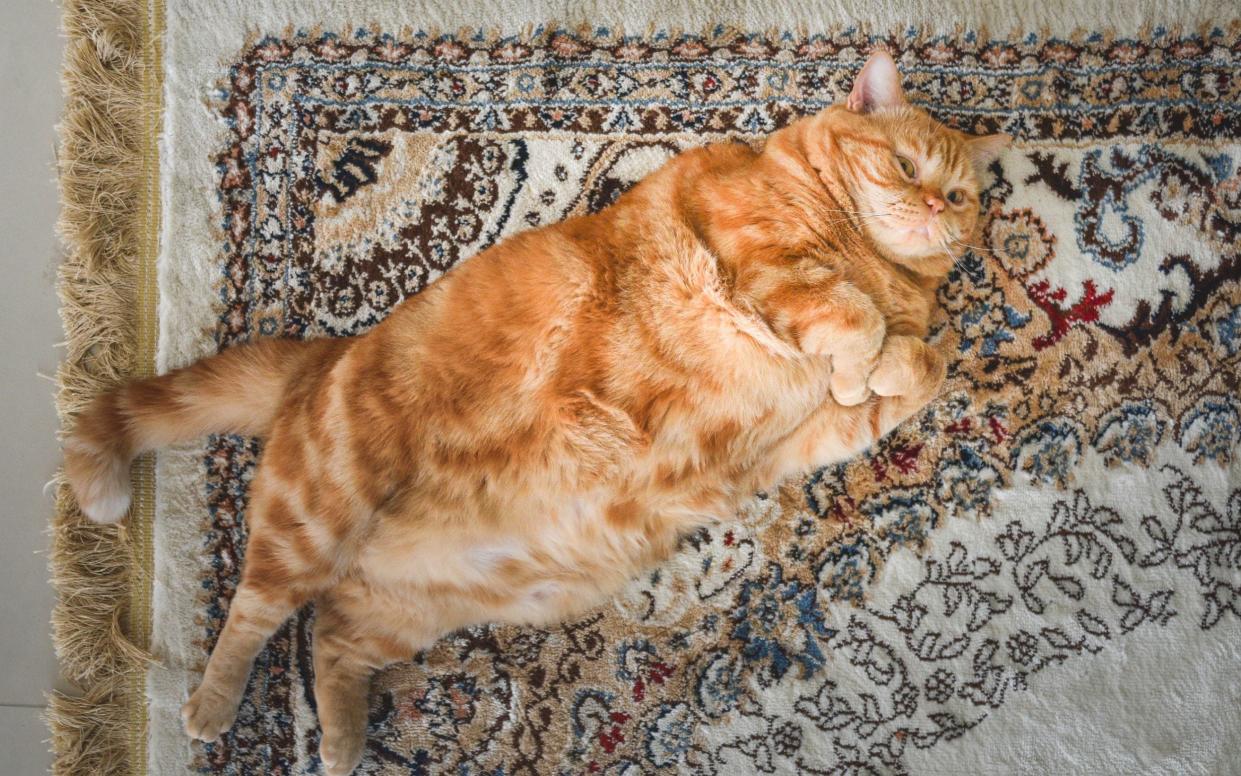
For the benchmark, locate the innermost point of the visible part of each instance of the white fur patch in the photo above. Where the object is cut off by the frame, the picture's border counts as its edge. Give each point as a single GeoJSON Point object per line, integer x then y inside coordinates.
{"type": "Point", "coordinates": [107, 504]}
{"type": "Point", "coordinates": [486, 557]}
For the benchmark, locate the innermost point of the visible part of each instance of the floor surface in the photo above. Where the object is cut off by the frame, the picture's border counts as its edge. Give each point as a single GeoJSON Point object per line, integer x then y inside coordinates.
{"type": "Point", "coordinates": [30, 49]}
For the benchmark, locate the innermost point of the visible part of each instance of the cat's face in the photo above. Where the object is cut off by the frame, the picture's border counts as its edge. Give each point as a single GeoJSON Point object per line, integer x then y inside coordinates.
{"type": "Point", "coordinates": [915, 182]}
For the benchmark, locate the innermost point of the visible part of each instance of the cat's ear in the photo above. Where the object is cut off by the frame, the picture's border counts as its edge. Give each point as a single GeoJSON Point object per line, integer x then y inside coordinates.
{"type": "Point", "coordinates": [877, 86]}
{"type": "Point", "coordinates": [984, 149]}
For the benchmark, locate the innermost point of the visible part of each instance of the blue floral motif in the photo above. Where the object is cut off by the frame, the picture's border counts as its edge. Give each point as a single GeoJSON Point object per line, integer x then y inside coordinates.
{"type": "Point", "coordinates": [966, 481]}
{"type": "Point", "coordinates": [989, 322]}
{"type": "Point", "coordinates": [1212, 429]}
{"type": "Point", "coordinates": [1129, 433]}
{"type": "Point", "coordinates": [590, 707]}
{"type": "Point", "coordinates": [901, 518]}
{"type": "Point", "coordinates": [780, 622]}
{"type": "Point", "coordinates": [823, 488]}
{"type": "Point", "coordinates": [1221, 165]}
{"type": "Point", "coordinates": [1228, 331]}
{"type": "Point", "coordinates": [1048, 450]}
{"type": "Point", "coordinates": [719, 684]}
{"type": "Point", "coordinates": [1106, 229]}
{"type": "Point", "coordinates": [669, 736]}
{"type": "Point", "coordinates": [845, 570]}
{"type": "Point", "coordinates": [1093, 238]}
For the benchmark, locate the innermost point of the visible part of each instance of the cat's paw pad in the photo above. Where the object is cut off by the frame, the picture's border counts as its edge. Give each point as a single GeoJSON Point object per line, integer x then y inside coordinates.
{"type": "Point", "coordinates": [208, 714]}
{"type": "Point", "coordinates": [341, 752]}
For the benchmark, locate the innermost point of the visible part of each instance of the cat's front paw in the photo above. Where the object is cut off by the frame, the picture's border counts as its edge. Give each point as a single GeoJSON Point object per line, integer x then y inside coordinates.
{"type": "Point", "coordinates": [907, 366]}
{"type": "Point", "coordinates": [850, 388]}
{"type": "Point", "coordinates": [848, 334]}
{"type": "Point", "coordinates": [853, 343]}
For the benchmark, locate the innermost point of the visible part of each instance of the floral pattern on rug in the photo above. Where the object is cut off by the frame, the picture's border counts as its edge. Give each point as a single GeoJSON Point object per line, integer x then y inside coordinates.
{"type": "Point", "coordinates": [1094, 332]}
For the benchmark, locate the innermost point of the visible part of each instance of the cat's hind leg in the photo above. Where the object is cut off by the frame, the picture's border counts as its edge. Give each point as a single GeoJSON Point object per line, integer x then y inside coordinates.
{"type": "Point", "coordinates": [343, 669]}
{"type": "Point", "coordinates": [254, 615]}
{"type": "Point", "coordinates": [291, 556]}
{"type": "Point", "coordinates": [348, 648]}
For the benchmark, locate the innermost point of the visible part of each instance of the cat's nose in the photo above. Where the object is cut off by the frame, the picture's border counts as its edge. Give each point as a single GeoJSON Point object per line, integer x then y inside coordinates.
{"type": "Point", "coordinates": [935, 203]}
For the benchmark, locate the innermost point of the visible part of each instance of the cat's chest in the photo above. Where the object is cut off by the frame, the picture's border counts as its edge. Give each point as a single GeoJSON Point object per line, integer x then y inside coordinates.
{"type": "Point", "coordinates": [906, 307]}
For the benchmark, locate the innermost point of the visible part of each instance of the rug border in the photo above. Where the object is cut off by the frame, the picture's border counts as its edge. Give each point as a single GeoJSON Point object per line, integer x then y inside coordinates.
{"type": "Point", "coordinates": [992, 18]}
{"type": "Point", "coordinates": [108, 171]}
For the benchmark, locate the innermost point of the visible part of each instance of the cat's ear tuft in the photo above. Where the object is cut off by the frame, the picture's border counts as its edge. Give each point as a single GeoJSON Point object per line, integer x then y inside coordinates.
{"type": "Point", "coordinates": [985, 149]}
{"type": "Point", "coordinates": [877, 86]}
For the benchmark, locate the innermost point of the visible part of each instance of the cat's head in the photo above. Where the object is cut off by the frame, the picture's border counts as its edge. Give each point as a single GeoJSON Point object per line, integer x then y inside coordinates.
{"type": "Point", "coordinates": [915, 183]}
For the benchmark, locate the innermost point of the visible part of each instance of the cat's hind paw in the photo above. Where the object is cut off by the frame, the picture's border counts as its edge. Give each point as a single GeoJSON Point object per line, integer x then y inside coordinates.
{"type": "Point", "coordinates": [207, 715]}
{"type": "Point", "coordinates": [341, 752]}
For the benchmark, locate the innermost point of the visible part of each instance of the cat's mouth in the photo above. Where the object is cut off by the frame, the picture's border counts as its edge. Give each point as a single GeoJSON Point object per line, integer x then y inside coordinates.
{"type": "Point", "coordinates": [912, 239]}
{"type": "Point", "coordinates": [925, 233]}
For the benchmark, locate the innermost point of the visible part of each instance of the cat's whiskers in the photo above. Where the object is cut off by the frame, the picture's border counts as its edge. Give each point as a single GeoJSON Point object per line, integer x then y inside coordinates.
{"type": "Point", "coordinates": [851, 212]}
{"type": "Point", "coordinates": [956, 260]}
{"type": "Point", "coordinates": [973, 247]}
{"type": "Point", "coordinates": [860, 219]}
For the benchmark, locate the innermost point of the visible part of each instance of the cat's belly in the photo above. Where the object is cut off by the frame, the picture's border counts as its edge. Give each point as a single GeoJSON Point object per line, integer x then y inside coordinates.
{"type": "Point", "coordinates": [548, 556]}
{"type": "Point", "coordinates": [534, 572]}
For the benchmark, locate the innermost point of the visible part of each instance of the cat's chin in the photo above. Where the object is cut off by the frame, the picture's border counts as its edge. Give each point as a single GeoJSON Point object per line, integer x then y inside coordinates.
{"type": "Point", "coordinates": [916, 250]}
{"type": "Point", "coordinates": [921, 240]}
{"type": "Point", "coordinates": [922, 257]}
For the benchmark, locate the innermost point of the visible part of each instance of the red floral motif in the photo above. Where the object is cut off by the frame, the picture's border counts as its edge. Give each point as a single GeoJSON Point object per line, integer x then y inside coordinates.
{"type": "Point", "coordinates": [961, 426]}
{"type": "Point", "coordinates": [659, 671]}
{"type": "Point", "coordinates": [611, 736]}
{"type": "Point", "coordinates": [997, 429]}
{"type": "Point", "coordinates": [844, 510]}
{"type": "Point", "coordinates": [1085, 310]}
{"type": "Point", "coordinates": [903, 457]}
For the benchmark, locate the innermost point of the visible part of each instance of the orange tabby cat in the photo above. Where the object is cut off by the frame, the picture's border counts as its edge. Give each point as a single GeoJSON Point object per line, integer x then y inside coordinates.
{"type": "Point", "coordinates": [524, 437]}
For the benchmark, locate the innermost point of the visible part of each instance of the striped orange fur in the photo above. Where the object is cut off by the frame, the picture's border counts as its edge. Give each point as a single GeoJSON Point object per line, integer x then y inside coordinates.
{"type": "Point", "coordinates": [544, 422]}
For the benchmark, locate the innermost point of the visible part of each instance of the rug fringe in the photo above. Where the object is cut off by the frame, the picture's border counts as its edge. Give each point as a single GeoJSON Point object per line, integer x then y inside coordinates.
{"type": "Point", "coordinates": [99, 165]}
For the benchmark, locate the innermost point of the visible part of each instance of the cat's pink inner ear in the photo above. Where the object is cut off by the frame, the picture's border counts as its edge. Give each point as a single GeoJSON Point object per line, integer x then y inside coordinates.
{"type": "Point", "coordinates": [877, 86]}
{"type": "Point", "coordinates": [984, 149]}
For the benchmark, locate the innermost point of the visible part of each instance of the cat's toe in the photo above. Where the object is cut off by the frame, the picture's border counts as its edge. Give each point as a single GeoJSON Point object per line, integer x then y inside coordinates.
{"type": "Point", "coordinates": [341, 752]}
{"type": "Point", "coordinates": [907, 366]}
{"type": "Point", "coordinates": [207, 715]}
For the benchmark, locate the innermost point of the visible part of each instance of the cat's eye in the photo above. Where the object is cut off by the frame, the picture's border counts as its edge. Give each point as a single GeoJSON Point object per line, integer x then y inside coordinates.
{"type": "Point", "coordinates": [907, 166]}
{"type": "Point", "coordinates": [956, 196]}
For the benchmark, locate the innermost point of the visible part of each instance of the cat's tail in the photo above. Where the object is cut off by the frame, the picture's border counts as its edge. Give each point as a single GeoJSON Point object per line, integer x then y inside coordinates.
{"type": "Point", "coordinates": [238, 391]}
